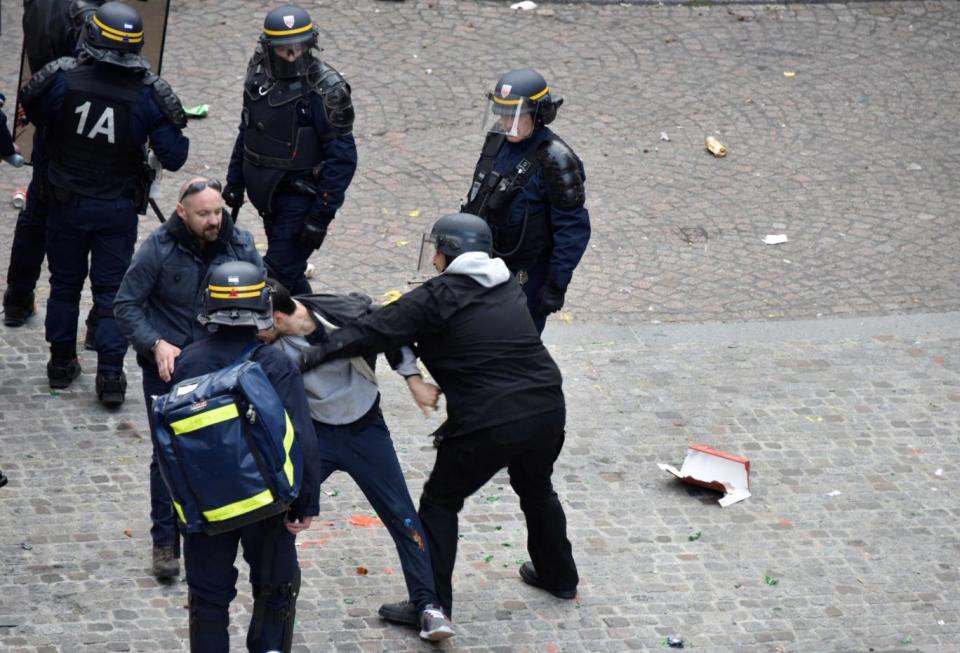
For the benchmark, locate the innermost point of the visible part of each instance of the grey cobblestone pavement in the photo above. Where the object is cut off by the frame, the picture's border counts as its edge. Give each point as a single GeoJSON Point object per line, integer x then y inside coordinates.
{"type": "Point", "coordinates": [854, 158]}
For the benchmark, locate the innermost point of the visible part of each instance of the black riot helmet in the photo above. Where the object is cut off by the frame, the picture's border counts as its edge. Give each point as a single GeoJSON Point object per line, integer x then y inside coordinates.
{"type": "Point", "coordinates": [115, 26]}
{"type": "Point", "coordinates": [453, 235]}
{"type": "Point", "coordinates": [289, 42]}
{"type": "Point", "coordinates": [519, 92]}
{"type": "Point", "coordinates": [237, 295]}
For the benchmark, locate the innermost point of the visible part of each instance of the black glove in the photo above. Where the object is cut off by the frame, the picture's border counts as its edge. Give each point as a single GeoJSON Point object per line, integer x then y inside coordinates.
{"type": "Point", "coordinates": [311, 357]}
{"type": "Point", "coordinates": [314, 230]}
{"type": "Point", "coordinates": [233, 195]}
{"type": "Point", "coordinates": [551, 298]}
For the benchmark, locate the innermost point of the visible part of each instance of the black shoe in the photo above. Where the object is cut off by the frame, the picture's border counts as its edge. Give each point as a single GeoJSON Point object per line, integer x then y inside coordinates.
{"type": "Point", "coordinates": [111, 388]}
{"type": "Point", "coordinates": [16, 315]}
{"type": "Point", "coordinates": [529, 576]}
{"type": "Point", "coordinates": [3, 479]}
{"type": "Point", "coordinates": [165, 563]}
{"type": "Point", "coordinates": [90, 337]}
{"type": "Point", "coordinates": [61, 373]}
{"type": "Point", "coordinates": [401, 612]}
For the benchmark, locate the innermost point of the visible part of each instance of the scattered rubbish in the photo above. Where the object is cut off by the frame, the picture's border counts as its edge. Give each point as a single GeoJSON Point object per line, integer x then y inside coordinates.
{"type": "Point", "coordinates": [564, 317]}
{"type": "Point", "coordinates": [365, 521]}
{"type": "Point", "coordinates": [506, 545]}
{"type": "Point", "coordinates": [783, 521]}
{"type": "Point", "coordinates": [526, 5]}
{"type": "Point", "coordinates": [939, 472]}
{"type": "Point", "coordinates": [488, 558]}
{"type": "Point", "coordinates": [717, 470]}
{"type": "Point", "coordinates": [311, 271]}
{"type": "Point", "coordinates": [414, 213]}
{"type": "Point", "coordinates": [907, 640]}
{"type": "Point", "coordinates": [771, 581]}
{"type": "Point", "coordinates": [715, 147]}
{"type": "Point", "coordinates": [403, 243]}
{"type": "Point", "coordinates": [332, 493]}
{"type": "Point", "coordinates": [19, 198]}
{"type": "Point", "coordinates": [693, 537]}
{"type": "Point", "coordinates": [673, 642]}
{"type": "Point", "coordinates": [789, 74]}
{"type": "Point", "coordinates": [737, 586]}
{"type": "Point", "coordinates": [128, 532]}
{"type": "Point", "coordinates": [348, 601]}
{"type": "Point", "coordinates": [775, 239]}
{"type": "Point", "coordinates": [199, 111]}
{"type": "Point", "coordinates": [26, 547]}
{"type": "Point", "coordinates": [491, 499]}
{"type": "Point", "coordinates": [54, 393]}
{"type": "Point", "coordinates": [391, 296]}
{"type": "Point", "coordinates": [362, 571]}
{"type": "Point", "coordinates": [309, 544]}
{"type": "Point", "coordinates": [664, 137]}
{"type": "Point", "coordinates": [835, 493]}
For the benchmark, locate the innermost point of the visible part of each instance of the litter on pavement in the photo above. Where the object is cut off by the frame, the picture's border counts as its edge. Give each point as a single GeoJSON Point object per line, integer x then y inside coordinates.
{"type": "Point", "coordinates": [717, 470]}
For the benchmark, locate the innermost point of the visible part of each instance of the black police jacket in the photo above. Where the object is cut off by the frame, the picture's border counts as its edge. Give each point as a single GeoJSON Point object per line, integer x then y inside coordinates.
{"type": "Point", "coordinates": [479, 343]}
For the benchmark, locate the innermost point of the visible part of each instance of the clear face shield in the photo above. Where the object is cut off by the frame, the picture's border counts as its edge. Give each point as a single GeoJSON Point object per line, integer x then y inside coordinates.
{"type": "Point", "coordinates": [428, 250]}
{"type": "Point", "coordinates": [290, 60]}
{"type": "Point", "coordinates": [508, 116]}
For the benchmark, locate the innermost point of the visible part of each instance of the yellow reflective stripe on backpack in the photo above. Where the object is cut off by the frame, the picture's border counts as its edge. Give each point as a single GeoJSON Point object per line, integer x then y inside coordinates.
{"type": "Point", "coordinates": [238, 508]}
{"type": "Point", "coordinates": [287, 444]}
{"type": "Point", "coordinates": [202, 420]}
{"type": "Point", "coordinates": [179, 509]}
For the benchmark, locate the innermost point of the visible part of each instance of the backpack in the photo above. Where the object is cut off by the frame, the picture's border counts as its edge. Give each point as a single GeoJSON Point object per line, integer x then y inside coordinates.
{"type": "Point", "coordinates": [226, 448]}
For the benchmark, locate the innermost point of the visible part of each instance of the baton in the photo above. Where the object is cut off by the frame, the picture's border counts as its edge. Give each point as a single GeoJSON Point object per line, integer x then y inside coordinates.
{"type": "Point", "coordinates": [156, 210]}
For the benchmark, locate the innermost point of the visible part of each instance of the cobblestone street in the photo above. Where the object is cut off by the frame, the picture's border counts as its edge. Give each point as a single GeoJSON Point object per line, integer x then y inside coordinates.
{"type": "Point", "coordinates": [832, 361]}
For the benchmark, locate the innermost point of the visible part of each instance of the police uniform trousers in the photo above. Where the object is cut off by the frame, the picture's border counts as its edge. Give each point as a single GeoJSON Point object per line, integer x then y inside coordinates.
{"type": "Point", "coordinates": [163, 529]}
{"type": "Point", "coordinates": [96, 236]}
{"type": "Point", "coordinates": [28, 248]}
{"type": "Point", "coordinates": [212, 583]}
{"type": "Point", "coordinates": [286, 257]}
{"type": "Point", "coordinates": [528, 449]}
{"type": "Point", "coordinates": [536, 278]}
{"type": "Point", "coordinates": [363, 449]}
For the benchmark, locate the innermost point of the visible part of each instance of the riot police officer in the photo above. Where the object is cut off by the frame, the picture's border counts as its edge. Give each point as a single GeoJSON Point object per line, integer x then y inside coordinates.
{"type": "Point", "coordinates": [294, 154]}
{"type": "Point", "coordinates": [528, 186]}
{"type": "Point", "coordinates": [99, 110]}
{"type": "Point", "coordinates": [268, 546]}
{"type": "Point", "coordinates": [52, 29]}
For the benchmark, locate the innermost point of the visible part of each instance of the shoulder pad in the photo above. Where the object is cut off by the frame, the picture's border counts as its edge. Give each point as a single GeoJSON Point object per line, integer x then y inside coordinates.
{"type": "Point", "coordinates": [335, 93]}
{"type": "Point", "coordinates": [170, 104]}
{"type": "Point", "coordinates": [561, 174]}
{"type": "Point", "coordinates": [38, 84]}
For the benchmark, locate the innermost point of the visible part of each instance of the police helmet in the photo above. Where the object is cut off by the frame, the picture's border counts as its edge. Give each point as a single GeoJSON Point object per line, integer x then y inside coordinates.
{"type": "Point", "coordinates": [289, 40]}
{"type": "Point", "coordinates": [237, 295]}
{"type": "Point", "coordinates": [457, 233]}
{"type": "Point", "coordinates": [115, 26]}
{"type": "Point", "coordinates": [524, 91]}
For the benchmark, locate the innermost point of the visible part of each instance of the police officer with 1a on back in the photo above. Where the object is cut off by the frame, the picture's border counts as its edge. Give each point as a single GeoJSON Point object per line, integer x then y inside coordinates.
{"type": "Point", "coordinates": [99, 110]}
{"type": "Point", "coordinates": [528, 186]}
{"type": "Point", "coordinates": [294, 155]}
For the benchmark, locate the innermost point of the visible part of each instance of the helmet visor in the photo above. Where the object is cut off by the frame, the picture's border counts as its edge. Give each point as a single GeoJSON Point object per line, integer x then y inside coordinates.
{"type": "Point", "coordinates": [290, 60]}
{"type": "Point", "coordinates": [428, 250]}
{"type": "Point", "coordinates": [506, 115]}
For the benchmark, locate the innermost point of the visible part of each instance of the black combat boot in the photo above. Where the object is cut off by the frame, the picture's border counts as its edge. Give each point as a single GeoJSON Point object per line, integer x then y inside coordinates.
{"type": "Point", "coordinates": [63, 366]}
{"type": "Point", "coordinates": [16, 310]}
{"type": "Point", "coordinates": [90, 337]}
{"type": "Point", "coordinates": [111, 387]}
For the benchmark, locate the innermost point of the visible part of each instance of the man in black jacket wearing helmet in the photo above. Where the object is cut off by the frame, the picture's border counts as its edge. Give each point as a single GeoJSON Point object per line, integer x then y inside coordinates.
{"type": "Point", "coordinates": [528, 186]}
{"type": "Point", "coordinates": [294, 155]}
{"type": "Point", "coordinates": [471, 328]}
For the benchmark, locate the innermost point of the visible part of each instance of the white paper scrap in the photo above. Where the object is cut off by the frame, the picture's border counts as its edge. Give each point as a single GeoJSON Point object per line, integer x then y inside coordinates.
{"type": "Point", "coordinates": [775, 239]}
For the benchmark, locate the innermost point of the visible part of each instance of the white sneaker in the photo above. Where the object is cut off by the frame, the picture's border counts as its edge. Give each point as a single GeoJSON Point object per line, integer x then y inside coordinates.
{"type": "Point", "coordinates": [434, 625]}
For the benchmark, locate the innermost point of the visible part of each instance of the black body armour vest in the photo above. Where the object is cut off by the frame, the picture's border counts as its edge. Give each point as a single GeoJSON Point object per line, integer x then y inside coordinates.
{"type": "Point", "coordinates": [491, 197]}
{"type": "Point", "coordinates": [90, 148]}
{"type": "Point", "coordinates": [279, 135]}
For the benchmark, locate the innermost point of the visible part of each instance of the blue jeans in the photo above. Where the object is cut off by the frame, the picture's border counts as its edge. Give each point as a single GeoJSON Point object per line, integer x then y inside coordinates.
{"type": "Point", "coordinates": [103, 231]}
{"type": "Point", "coordinates": [285, 256]}
{"type": "Point", "coordinates": [364, 450]}
{"type": "Point", "coordinates": [212, 583]}
{"type": "Point", "coordinates": [163, 530]}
